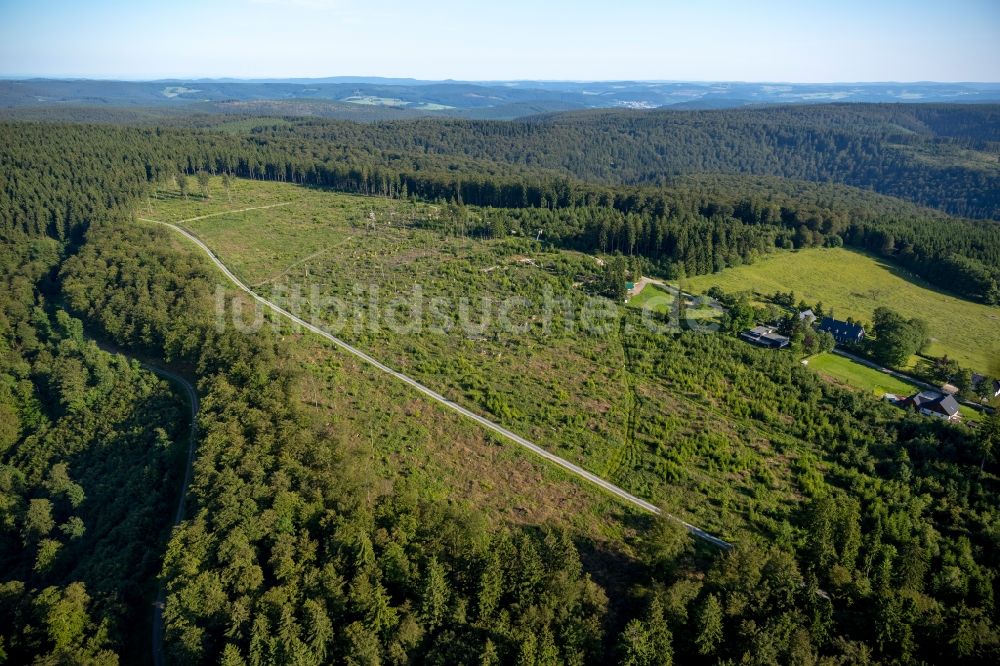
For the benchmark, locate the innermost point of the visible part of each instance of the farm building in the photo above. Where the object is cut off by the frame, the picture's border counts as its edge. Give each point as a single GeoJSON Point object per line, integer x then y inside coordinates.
{"type": "Point", "coordinates": [843, 332]}
{"type": "Point", "coordinates": [808, 316]}
{"type": "Point", "coordinates": [765, 336]}
{"type": "Point", "coordinates": [932, 403]}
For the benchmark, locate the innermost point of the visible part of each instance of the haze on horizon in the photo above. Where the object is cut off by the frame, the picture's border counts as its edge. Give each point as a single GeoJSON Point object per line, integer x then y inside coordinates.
{"type": "Point", "coordinates": [776, 40]}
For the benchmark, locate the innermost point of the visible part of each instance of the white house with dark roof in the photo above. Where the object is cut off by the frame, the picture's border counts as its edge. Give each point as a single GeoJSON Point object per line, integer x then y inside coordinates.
{"type": "Point", "coordinates": [932, 403]}
{"type": "Point", "coordinates": [808, 316]}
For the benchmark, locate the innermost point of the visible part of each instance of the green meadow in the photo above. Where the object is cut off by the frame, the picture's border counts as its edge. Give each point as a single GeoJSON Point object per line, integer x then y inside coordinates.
{"type": "Point", "coordinates": [859, 376]}
{"type": "Point", "coordinates": [853, 284]}
{"type": "Point", "coordinates": [852, 374]}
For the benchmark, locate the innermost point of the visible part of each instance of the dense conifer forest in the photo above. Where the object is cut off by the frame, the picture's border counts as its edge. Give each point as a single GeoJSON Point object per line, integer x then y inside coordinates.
{"type": "Point", "coordinates": [891, 555]}
{"type": "Point", "coordinates": [938, 156]}
{"type": "Point", "coordinates": [653, 222]}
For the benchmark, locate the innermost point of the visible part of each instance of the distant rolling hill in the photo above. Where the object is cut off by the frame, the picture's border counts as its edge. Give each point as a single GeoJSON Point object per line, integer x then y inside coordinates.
{"type": "Point", "coordinates": [469, 99]}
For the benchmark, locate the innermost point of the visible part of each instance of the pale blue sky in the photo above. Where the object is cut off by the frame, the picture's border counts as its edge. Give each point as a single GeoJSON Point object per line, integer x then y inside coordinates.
{"type": "Point", "coordinates": [768, 40]}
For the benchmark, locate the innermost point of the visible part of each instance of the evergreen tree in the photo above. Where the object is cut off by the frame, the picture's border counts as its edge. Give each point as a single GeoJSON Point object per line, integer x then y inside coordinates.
{"type": "Point", "coordinates": [708, 626]}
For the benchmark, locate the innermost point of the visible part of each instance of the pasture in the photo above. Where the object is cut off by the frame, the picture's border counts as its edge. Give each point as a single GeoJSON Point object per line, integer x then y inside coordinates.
{"type": "Point", "coordinates": [853, 284]}
{"type": "Point", "coordinates": [850, 373]}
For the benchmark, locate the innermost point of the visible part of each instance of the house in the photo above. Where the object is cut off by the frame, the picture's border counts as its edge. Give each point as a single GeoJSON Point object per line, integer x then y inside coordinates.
{"type": "Point", "coordinates": [932, 403]}
{"type": "Point", "coordinates": [808, 316]}
{"type": "Point", "coordinates": [765, 336]}
{"type": "Point", "coordinates": [977, 379]}
{"type": "Point", "coordinates": [843, 332]}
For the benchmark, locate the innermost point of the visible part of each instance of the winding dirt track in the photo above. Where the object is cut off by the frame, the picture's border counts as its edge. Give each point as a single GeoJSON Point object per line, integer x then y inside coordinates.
{"type": "Point", "coordinates": [179, 515]}
{"type": "Point", "coordinates": [193, 404]}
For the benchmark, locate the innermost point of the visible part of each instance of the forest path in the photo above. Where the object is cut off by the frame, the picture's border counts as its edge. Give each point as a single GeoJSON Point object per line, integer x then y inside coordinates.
{"type": "Point", "coordinates": [572, 468]}
{"type": "Point", "coordinates": [194, 406]}
{"type": "Point", "coordinates": [227, 212]}
{"type": "Point", "coordinates": [161, 596]}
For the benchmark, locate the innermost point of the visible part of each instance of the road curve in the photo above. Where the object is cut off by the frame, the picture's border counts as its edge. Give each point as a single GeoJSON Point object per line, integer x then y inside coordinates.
{"type": "Point", "coordinates": [437, 397]}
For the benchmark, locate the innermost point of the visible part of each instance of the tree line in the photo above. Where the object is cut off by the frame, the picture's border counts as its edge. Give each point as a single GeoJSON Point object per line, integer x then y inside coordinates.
{"type": "Point", "coordinates": [961, 256]}
{"type": "Point", "coordinates": [910, 151]}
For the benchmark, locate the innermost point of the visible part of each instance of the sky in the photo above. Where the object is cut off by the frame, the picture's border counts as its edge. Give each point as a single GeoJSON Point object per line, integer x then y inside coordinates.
{"type": "Point", "coordinates": [704, 40]}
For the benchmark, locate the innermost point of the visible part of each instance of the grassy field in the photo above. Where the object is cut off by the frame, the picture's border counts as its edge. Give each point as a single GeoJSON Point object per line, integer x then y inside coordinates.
{"type": "Point", "coordinates": [853, 284]}
{"type": "Point", "coordinates": [849, 373]}
{"type": "Point", "coordinates": [853, 374]}
{"type": "Point", "coordinates": [593, 395]}
{"type": "Point", "coordinates": [416, 445]}
{"type": "Point", "coordinates": [653, 298]}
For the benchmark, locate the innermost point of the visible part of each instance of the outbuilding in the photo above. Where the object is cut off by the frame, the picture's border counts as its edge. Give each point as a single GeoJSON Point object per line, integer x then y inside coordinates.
{"type": "Point", "coordinates": [765, 336]}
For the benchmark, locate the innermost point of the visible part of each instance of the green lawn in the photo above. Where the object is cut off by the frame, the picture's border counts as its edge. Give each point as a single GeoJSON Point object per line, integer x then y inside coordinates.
{"type": "Point", "coordinates": [654, 299]}
{"type": "Point", "coordinates": [845, 371]}
{"type": "Point", "coordinates": [853, 284]}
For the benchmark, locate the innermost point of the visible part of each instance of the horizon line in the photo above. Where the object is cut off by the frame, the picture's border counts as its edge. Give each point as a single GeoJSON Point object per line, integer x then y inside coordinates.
{"type": "Point", "coordinates": [264, 79]}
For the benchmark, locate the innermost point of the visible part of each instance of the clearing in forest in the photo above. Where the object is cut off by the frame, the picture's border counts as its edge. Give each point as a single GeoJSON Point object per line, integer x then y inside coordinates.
{"type": "Point", "coordinates": [655, 413]}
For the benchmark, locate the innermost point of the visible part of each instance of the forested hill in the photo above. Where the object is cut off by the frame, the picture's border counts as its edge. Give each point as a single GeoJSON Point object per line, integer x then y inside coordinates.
{"type": "Point", "coordinates": [291, 552]}
{"type": "Point", "coordinates": [942, 156]}
{"type": "Point", "coordinates": [696, 225]}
